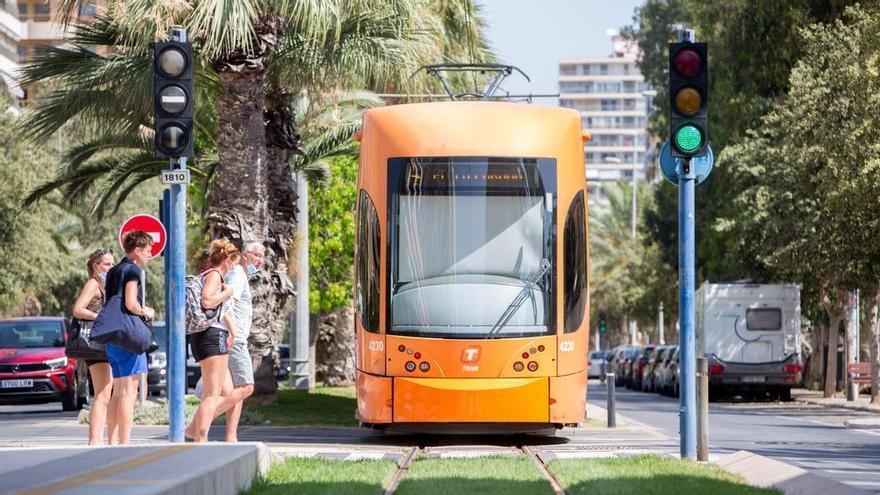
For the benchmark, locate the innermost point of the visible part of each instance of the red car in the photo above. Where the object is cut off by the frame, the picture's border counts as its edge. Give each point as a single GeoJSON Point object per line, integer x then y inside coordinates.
{"type": "Point", "coordinates": [33, 367]}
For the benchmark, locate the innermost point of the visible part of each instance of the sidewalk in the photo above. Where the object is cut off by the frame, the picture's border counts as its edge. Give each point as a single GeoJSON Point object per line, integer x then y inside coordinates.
{"type": "Point", "coordinates": [862, 403]}
{"type": "Point", "coordinates": [215, 468]}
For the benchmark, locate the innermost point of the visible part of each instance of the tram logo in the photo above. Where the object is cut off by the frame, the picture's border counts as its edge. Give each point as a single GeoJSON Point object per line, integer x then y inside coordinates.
{"type": "Point", "coordinates": [470, 354]}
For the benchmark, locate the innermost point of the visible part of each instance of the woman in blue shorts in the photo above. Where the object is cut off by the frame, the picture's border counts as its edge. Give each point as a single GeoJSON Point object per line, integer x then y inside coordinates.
{"type": "Point", "coordinates": [126, 366]}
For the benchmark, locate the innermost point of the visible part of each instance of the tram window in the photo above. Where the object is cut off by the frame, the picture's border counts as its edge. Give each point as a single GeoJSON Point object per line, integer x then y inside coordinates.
{"type": "Point", "coordinates": [367, 280]}
{"type": "Point", "coordinates": [575, 242]}
{"type": "Point", "coordinates": [471, 247]}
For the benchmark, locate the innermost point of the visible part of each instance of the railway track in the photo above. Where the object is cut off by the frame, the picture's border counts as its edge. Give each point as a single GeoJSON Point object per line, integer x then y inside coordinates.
{"type": "Point", "coordinates": [407, 460]}
{"type": "Point", "coordinates": [402, 467]}
{"type": "Point", "coordinates": [554, 484]}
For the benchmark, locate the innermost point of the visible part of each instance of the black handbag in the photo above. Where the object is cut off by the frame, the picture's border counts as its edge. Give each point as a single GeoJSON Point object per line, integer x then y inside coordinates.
{"type": "Point", "coordinates": [79, 344]}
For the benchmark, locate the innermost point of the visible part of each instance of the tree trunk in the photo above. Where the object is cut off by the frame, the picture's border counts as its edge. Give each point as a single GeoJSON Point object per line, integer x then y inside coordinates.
{"type": "Point", "coordinates": [277, 293]}
{"type": "Point", "coordinates": [817, 354]}
{"type": "Point", "coordinates": [238, 202]}
{"type": "Point", "coordinates": [335, 348]}
{"type": "Point", "coordinates": [874, 334]}
{"type": "Point", "coordinates": [833, 303]}
{"type": "Point", "coordinates": [831, 363]}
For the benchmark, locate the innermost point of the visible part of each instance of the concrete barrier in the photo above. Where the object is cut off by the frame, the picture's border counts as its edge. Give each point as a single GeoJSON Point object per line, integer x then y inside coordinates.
{"type": "Point", "coordinates": [764, 472]}
{"type": "Point", "coordinates": [179, 469]}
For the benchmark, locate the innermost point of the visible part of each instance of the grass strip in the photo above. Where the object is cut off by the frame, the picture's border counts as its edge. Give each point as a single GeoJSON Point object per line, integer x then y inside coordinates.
{"type": "Point", "coordinates": [648, 475]}
{"type": "Point", "coordinates": [508, 475]}
{"type": "Point", "coordinates": [325, 406]}
{"type": "Point", "coordinates": [323, 476]}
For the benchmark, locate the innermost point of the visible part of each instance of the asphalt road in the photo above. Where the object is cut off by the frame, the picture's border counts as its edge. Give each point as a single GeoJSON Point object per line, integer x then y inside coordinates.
{"type": "Point", "coordinates": [831, 442]}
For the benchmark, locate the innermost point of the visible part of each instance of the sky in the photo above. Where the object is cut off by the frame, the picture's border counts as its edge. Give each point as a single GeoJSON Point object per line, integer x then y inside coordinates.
{"type": "Point", "coordinates": [535, 35]}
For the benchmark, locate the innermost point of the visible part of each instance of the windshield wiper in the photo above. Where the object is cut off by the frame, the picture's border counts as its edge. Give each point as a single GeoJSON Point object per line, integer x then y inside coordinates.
{"type": "Point", "coordinates": [520, 298]}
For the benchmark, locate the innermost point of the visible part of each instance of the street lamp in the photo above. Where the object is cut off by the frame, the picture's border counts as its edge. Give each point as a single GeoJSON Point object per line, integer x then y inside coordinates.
{"type": "Point", "coordinates": [649, 95]}
{"type": "Point", "coordinates": [613, 159]}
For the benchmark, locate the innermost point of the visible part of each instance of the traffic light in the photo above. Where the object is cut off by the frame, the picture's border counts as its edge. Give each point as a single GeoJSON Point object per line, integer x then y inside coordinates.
{"type": "Point", "coordinates": [173, 98]}
{"type": "Point", "coordinates": [603, 326]}
{"type": "Point", "coordinates": [688, 99]}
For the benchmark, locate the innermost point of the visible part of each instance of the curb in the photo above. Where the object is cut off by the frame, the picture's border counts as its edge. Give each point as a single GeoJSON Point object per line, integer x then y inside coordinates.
{"type": "Point", "coordinates": [853, 407]}
{"type": "Point", "coordinates": [176, 469]}
{"type": "Point", "coordinates": [764, 472]}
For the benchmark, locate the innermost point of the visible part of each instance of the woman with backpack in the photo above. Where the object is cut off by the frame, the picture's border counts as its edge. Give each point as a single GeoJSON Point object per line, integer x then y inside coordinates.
{"type": "Point", "coordinates": [88, 304]}
{"type": "Point", "coordinates": [211, 346]}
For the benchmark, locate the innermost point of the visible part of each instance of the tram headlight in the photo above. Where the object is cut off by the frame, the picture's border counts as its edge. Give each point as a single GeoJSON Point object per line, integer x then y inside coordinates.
{"type": "Point", "coordinates": [533, 366]}
{"type": "Point", "coordinates": [517, 366]}
{"type": "Point", "coordinates": [424, 366]}
{"type": "Point", "coordinates": [410, 366]}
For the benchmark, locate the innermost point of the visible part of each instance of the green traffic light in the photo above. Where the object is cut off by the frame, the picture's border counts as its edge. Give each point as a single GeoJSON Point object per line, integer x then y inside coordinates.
{"type": "Point", "coordinates": [688, 138]}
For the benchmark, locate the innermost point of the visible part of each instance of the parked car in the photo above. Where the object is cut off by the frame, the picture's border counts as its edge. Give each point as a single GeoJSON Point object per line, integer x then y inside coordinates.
{"type": "Point", "coordinates": [664, 372]}
{"type": "Point", "coordinates": [193, 369]}
{"type": "Point", "coordinates": [157, 360]}
{"type": "Point", "coordinates": [282, 372]}
{"type": "Point", "coordinates": [637, 365]}
{"type": "Point", "coordinates": [596, 363]}
{"type": "Point", "coordinates": [647, 380]}
{"type": "Point", "coordinates": [33, 367]}
{"type": "Point", "coordinates": [620, 362]}
{"type": "Point", "coordinates": [651, 379]}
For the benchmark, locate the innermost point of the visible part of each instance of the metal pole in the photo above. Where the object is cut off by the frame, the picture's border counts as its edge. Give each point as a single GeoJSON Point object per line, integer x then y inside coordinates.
{"type": "Point", "coordinates": [142, 378]}
{"type": "Point", "coordinates": [635, 201]}
{"type": "Point", "coordinates": [176, 256]}
{"type": "Point", "coordinates": [660, 326]}
{"type": "Point", "coordinates": [686, 262]}
{"type": "Point", "coordinates": [852, 338]}
{"type": "Point", "coordinates": [703, 412]}
{"type": "Point", "coordinates": [300, 373]}
{"type": "Point", "coordinates": [610, 401]}
{"type": "Point", "coordinates": [686, 255]}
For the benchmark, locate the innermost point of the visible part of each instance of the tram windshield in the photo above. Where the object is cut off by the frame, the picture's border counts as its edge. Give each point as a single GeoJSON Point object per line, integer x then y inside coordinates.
{"type": "Point", "coordinates": [472, 247]}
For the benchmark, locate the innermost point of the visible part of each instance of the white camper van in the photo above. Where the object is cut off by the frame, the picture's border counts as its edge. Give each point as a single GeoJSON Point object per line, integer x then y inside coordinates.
{"type": "Point", "coordinates": [751, 335]}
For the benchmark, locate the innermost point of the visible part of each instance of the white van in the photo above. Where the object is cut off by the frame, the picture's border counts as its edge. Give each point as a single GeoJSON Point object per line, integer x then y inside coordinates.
{"type": "Point", "coordinates": [751, 335]}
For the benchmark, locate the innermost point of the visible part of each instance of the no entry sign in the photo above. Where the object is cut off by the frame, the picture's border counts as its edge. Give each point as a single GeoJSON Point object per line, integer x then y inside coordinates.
{"type": "Point", "coordinates": [149, 224]}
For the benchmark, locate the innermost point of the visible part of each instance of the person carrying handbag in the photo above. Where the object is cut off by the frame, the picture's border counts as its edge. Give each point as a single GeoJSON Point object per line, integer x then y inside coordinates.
{"type": "Point", "coordinates": [85, 310]}
{"type": "Point", "coordinates": [125, 279]}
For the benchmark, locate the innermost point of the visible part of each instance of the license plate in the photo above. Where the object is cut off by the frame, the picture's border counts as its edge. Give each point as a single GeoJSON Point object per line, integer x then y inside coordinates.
{"type": "Point", "coordinates": [754, 379]}
{"type": "Point", "coordinates": [16, 383]}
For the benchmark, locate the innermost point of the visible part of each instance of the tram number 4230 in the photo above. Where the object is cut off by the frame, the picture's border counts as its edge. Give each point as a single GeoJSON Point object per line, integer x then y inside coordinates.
{"type": "Point", "coordinates": [175, 177]}
{"type": "Point", "coordinates": [566, 346]}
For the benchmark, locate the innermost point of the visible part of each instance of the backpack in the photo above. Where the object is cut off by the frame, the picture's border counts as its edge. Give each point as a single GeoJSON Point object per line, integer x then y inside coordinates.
{"type": "Point", "coordinates": [197, 318]}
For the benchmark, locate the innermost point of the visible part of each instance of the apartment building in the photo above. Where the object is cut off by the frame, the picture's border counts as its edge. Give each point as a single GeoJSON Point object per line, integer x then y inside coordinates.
{"type": "Point", "coordinates": [26, 28]}
{"type": "Point", "coordinates": [609, 94]}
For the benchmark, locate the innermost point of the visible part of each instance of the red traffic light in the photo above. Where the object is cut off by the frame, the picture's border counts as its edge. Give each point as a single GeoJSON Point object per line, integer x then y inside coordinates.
{"type": "Point", "coordinates": [687, 62]}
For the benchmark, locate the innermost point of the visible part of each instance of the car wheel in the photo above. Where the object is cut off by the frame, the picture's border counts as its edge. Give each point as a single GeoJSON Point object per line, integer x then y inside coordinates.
{"type": "Point", "coordinates": [82, 396]}
{"type": "Point", "coordinates": [785, 394]}
{"type": "Point", "coordinates": [70, 400]}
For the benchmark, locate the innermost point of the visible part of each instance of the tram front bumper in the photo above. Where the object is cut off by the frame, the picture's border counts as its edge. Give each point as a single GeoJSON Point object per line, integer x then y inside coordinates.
{"type": "Point", "coordinates": [470, 400]}
{"type": "Point", "coordinates": [548, 400]}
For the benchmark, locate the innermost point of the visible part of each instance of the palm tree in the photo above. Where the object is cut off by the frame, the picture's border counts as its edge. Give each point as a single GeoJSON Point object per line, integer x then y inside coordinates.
{"type": "Point", "coordinates": [253, 54]}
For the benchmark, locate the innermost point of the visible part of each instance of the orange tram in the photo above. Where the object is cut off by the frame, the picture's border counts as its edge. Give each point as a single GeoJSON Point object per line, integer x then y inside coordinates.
{"type": "Point", "coordinates": [471, 276]}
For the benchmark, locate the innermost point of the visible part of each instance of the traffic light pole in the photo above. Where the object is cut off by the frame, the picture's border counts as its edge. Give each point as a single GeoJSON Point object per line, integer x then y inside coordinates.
{"type": "Point", "coordinates": [686, 262]}
{"type": "Point", "coordinates": [176, 286]}
{"type": "Point", "coordinates": [176, 255]}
